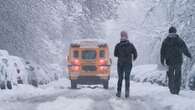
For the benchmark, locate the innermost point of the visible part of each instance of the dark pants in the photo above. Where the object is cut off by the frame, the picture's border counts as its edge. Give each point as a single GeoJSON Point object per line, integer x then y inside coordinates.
{"type": "Point", "coordinates": [174, 76]}
{"type": "Point", "coordinates": [123, 69]}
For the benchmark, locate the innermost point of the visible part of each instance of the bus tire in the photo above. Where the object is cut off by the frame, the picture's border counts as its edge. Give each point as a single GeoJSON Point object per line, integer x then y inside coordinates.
{"type": "Point", "coordinates": [2, 85]}
{"type": "Point", "coordinates": [106, 84]}
{"type": "Point", "coordinates": [73, 84]}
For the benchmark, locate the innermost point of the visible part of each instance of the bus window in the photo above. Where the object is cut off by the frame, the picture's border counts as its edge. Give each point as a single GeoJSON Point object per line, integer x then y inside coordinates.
{"type": "Point", "coordinates": [102, 54]}
{"type": "Point", "coordinates": [89, 54]}
{"type": "Point", "coordinates": [76, 54]}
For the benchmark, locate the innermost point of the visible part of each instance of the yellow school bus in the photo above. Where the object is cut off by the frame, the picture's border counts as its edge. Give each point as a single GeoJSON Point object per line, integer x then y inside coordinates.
{"type": "Point", "coordinates": [89, 63]}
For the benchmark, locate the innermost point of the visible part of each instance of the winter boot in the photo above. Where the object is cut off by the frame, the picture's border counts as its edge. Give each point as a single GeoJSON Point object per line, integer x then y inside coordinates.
{"type": "Point", "coordinates": [176, 91]}
{"type": "Point", "coordinates": [126, 94]}
{"type": "Point", "coordinates": [19, 80]}
{"type": "Point", "coordinates": [34, 83]}
{"type": "Point", "coordinates": [9, 85]}
{"type": "Point", "coordinates": [118, 94]}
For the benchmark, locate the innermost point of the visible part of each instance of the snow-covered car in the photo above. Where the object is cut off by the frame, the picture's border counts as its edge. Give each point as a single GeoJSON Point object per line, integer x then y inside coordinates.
{"type": "Point", "coordinates": [15, 70]}
{"type": "Point", "coordinates": [36, 75]}
{"type": "Point", "coordinates": [5, 77]}
{"type": "Point", "coordinates": [12, 70]}
{"type": "Point", "coordinates": [5, 81]}
{"type": "Point", "coordinates": [18, 70]}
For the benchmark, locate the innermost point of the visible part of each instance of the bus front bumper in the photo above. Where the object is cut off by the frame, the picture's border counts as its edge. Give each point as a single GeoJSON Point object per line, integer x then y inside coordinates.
{"type": "Point", "coordinates": [84, 79]}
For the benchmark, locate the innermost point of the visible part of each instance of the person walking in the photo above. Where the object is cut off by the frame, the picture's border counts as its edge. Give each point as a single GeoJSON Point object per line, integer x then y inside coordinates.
{"type": "Point", "coordinates": [126, 53]}
{"type": "Point", "coordinates": [172, 50]}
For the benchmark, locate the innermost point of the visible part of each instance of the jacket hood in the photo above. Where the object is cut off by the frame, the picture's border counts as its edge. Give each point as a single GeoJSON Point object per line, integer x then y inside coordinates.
{"type": "Point", "coordinates": [172, 35]}
{"type": "Point", "coordinates": [125, 42]}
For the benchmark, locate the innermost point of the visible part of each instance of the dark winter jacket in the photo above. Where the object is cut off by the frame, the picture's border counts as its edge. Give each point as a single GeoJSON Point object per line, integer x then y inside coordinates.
{"type": "Point", "coordinates": [172, 50]}
{"type": "Point", "coordinates": [126, 52]}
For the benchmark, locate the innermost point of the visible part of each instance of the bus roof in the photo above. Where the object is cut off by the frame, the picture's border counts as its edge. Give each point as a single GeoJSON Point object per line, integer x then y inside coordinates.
{"type": "Point", "coordinates": [89, 43]}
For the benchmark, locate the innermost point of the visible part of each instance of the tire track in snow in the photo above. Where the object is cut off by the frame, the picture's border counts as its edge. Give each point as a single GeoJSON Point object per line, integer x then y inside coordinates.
{"type": "Point", "coordinates": [103, 100]}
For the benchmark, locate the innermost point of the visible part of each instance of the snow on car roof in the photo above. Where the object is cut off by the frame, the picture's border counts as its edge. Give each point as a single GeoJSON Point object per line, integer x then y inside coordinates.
{"type": "Point", "coordinates": [4, 54]}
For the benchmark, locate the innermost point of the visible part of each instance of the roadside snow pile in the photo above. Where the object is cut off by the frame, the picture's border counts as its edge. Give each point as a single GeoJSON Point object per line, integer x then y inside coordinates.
{"type": "Point", "coordinates": [20, 92]}
{"type": "Point", "coordinates": [63, 103]}
{"type": "Point", "coordinates": [162, 97]}
{"type": "Point", "coordinates": [146, 96]}
{"type": "Point", "coordinates": [58, 84]}
{"type": "Point", "coordinates": [149, 73]}
{"type": "Point", "coordinates": [25, 91]}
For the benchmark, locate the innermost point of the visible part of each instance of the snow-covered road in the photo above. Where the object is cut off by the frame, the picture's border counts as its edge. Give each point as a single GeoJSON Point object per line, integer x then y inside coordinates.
{"type": "Point", "coordinates": [58, 96]}
{"type": "Point", "coordinates": [85, 98]}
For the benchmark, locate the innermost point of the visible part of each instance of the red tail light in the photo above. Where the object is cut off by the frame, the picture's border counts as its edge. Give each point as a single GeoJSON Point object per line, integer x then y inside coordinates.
{"type": "Point", "coordinates": [102, 62]}
{"type": "Point", "coordinates": [76, 62]}
{"type": "Point", "coordinates": [76, 68]}
{"type": "Point", "coordinates": [75, 65]}
{"type": "Point", "coordinates": [102, 65]}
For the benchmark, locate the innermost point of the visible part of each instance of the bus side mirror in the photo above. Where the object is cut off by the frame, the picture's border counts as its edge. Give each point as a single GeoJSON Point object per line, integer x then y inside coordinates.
{"type": "Point", "coordinates": [67, 58]}
{"type": "Point", "coordinates": [110, 61]}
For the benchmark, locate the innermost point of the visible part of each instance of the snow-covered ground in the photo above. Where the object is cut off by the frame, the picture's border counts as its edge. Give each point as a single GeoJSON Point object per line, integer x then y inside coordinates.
{"type": "Point", "coordinates": [58, 96]}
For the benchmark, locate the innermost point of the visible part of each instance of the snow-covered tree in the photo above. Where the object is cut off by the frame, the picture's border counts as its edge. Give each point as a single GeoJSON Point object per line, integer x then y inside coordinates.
{"type": "Point", "coordinates": [41, 30]}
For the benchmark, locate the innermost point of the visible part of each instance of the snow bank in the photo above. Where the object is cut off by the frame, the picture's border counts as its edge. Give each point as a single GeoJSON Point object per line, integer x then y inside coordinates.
{"type": "Point", "coordinates": [192, 72]}
{"type": "Point", "coordinates": [20, 92]}
{"type": "Point", "coordinates": [154, 74]}
{"type": "Point", "coordinates": [25, 91]}
{"type": "Point", "coordinates": [63, 103]}
{"type": "Point", "coordinates": [146, 96]}
{"type": "Point", "coordinates": [149, 73]}
{"type": "Point", "coordinates": [162, 96]}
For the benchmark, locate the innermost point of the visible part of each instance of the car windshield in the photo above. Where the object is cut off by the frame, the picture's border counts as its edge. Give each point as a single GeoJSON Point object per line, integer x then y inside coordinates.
{"type": "Point", "coordinates": [89, 54]}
